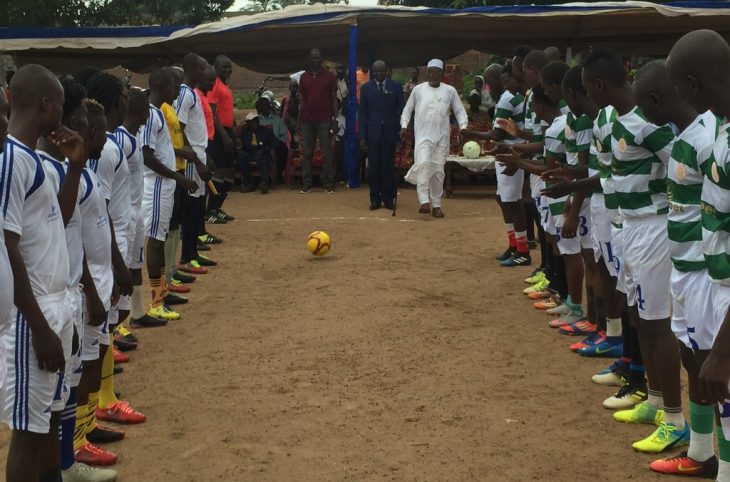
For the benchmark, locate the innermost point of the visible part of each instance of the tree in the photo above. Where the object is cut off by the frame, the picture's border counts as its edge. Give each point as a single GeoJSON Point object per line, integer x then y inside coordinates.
{"type": "Point", "coordinates": [268, 5]}
{"type": "Point", "coordinates": [90, 13]}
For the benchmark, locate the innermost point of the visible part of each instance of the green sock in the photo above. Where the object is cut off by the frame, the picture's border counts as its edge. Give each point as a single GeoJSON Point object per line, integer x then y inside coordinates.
{"type": "Point", "coordinates": [573, 307]}
{"type": "Point", "coordinates": [723, 444]}
{"type": "Point", "coordinates": [702, 417]}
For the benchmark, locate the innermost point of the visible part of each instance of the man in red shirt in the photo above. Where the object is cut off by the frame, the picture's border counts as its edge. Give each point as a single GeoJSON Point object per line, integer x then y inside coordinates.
{"type": "Point", "coordinates": [317, 119]}
{"type": "Point", "coordinates": [223, 148]}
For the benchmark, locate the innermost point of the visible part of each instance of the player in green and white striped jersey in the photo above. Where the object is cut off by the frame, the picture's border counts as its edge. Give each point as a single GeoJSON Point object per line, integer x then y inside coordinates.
{"type": "Point", "coordinates": [640, 151]}
{"type": "Point", "coordinates": [583, 158]}
{"type": "Point", "coordinates": [690, 285]}
{"type": "Point", "coordinates": [572, 320]}
{"type": "Point", "coordinates": [509, 183]}
{"type": "Point", "coordinates": [699, 67]}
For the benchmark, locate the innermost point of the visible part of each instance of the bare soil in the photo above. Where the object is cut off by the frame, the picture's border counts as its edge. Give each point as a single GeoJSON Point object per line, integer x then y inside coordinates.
{"type": "Point", "coordinates": [407, 353]}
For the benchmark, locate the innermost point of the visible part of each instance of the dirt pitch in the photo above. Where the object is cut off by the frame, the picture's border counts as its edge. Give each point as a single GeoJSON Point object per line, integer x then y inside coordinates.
{"type": "Point", "coordinates": [405, 354]}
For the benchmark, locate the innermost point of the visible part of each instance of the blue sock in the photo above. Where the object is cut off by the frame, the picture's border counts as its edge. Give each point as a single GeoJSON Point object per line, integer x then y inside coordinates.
{"type": "Point", "coordinates": [68, 424]}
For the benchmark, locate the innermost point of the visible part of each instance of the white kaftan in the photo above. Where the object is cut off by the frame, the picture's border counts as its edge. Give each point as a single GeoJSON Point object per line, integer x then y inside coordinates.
{"type": "Point", "coordinates": [432, 106]}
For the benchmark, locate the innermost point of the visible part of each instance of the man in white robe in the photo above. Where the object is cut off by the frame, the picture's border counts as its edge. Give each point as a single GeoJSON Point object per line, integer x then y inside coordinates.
{"type": "Point", "coordinates": [432, 102]}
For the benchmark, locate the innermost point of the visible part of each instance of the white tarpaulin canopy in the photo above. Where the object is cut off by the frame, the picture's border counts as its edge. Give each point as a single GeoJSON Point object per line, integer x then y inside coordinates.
{"type": "Point", "coordinates": [277, 42]}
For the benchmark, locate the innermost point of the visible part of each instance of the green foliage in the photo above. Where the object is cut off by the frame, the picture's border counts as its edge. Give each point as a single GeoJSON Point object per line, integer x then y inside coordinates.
{"type": "Point", "coordinates": [89, 13]}
{"type": "Point", "coordinates": [244, 100]}
{"type": "Point", "coordinates": [268, 5]}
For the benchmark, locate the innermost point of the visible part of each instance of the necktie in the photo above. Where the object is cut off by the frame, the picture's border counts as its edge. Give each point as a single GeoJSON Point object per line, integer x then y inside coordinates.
{"type": "Point", "coordinates": [380, 87]}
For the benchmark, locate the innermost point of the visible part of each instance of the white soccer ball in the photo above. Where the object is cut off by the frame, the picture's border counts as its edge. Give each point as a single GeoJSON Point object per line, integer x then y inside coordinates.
{"type": "Point", "coordinates": [472, 150]}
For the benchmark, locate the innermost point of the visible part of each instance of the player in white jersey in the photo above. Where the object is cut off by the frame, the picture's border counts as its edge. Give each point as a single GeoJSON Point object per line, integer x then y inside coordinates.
{"type": "Point", "coordinates": [699, 67]}
{"type": "Point", "coordinates": [6, 295]}
{"type": "Point", "coordinates": [37, 345]}
{"type": "Point", "coordinates": [75, 118]}
{"type": "Point", "coordinates": [190, 114]}
{"type": "Point", "coordinates": [97, 235]}
{"type": "Point", "coordinates": [640, 151]}
{"type": "Point", "coordinates": [129, 140]}
{"type": "Point", "coordinates": [509, 183]}
{"type": "Point", "coordinates": [160, 178]}
{"type": "Point", "coordinates": [113, 173]}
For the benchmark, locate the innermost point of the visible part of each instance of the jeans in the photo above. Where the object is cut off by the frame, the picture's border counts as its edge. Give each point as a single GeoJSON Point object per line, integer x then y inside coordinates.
{"type": "Point", "coordinates": [311, 131]}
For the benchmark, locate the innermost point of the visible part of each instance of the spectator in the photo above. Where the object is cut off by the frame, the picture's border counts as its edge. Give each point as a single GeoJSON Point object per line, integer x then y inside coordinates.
{"type": "Point", "coordinates": [266, 118]}
{"type": "Point", "coordinates": [415, 73]}
{"type": "Point", "coordinates": [380, 111]}
{"type": "Point", "coordinates": [342, 90]}
{"type": "Point", "coordinates": [317, 119]}
{"type": "Point", "coordinates": [362, 75]}
{"type": "Point", "coordinates": [486, 101]}
{"type": "Point", "coordinates": [289, 112]}
{"type": "Point", "coordinates": [257, 145]}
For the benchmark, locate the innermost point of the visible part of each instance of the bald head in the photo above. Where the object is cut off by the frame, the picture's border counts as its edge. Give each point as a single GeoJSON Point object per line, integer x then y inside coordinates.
{"type": "Point", "coordinates": [699, 67]}
{"type": "Point", "coordinates": [380, 70]}
{"type": "Point", "coordinates": [37, 94]}
{"type": "Point", "coordinates": [31, 83]}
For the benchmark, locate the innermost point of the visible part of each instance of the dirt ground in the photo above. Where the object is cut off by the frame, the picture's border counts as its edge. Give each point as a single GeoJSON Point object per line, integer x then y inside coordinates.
{"type": "Point", "coordinates": [405, 354]}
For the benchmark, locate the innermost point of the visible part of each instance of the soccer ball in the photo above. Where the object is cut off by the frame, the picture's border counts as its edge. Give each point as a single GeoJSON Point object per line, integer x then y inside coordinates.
{"type": "Point", "coordinates": [319, 243]}
{"type": "Point", "coordinates": [472, 150]}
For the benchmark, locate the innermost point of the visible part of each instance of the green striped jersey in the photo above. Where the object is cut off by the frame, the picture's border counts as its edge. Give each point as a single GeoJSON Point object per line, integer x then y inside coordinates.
{"type": "Point", "coordinates": [602, 126]}
{"type": "Point", "coordinates": [685, 173]}
{"type": "Point", "coordinates": [532, 122]}
{"type": "Point", "coordinates": [716, 208]}
{"type": "Point", "coordinates": [555, 148]}
{"type": "Point", "coordinates": [640, 152]}
{"type": "Point", "coordinates": [578, 138]}
{"type": "Point", "coordinates": [510, 106]}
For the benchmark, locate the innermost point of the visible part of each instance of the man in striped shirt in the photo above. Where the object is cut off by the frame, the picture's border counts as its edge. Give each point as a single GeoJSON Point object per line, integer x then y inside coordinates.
{"type": "Point", "coordinates": [640, 152]}
{"type": "Point", "coordinates": [699, 67]}
{"type": "Point", "coordinates": [690, 284]}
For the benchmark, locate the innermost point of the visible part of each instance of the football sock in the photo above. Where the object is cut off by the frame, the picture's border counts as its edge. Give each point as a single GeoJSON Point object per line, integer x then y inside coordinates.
{"type": "Point", "coordinates": [702, 421]}
{"type": "Point", "coordinates": [106, 392]}
{"type": "Point", "coordinates": [511, 239]}
{"type": "Point", "coordinates": [613, 327]}
{"type": "Point", "coordinates": [521, 242]}
{"type": "Point", "coordinates": [137, 307]}
{"type": "Point", "coordinates": [163, 287]}
{"type": "Point", "coordinates": [723, 474]}
{"type": "Point", "coordinates": [91, 411]}
{"type": "Point", "coordinates": [655, 399]}
{"type": "Point", "coordinates": [171, 250]}
{"type": "Point", "coordinates": [80, 428]}
{"type": "Point", "coordinates": [68, 423]}
{"type": "Point", "coordinates": [156, 287]}
{"type": "Point", "coordinates": [674, 416]}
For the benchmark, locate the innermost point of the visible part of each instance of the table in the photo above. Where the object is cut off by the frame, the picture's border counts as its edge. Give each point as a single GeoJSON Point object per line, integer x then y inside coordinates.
{"type": "Point", "coordinates": [454, 163]}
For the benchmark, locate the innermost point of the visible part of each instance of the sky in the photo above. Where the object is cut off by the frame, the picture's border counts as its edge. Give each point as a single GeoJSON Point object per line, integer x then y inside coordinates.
{"type": "Point", "coordinates": [359, 3]}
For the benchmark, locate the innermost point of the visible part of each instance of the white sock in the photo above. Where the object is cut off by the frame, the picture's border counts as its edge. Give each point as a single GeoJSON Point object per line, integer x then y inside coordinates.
{"type": "Point", "coordinates": [655, 399]}
{"type": "Point", "coordinates": [137, 308]}
{"type": "Point", "coordinates": [723, 474]}
{"type": "Point", "coordinates": [509, 227]}
{"type": "Point", "coordinates": [701, 446]}
{"type": "Point", "coordinates": [613, 326]}
{"type": "Point", "coordinates": [674, 416]}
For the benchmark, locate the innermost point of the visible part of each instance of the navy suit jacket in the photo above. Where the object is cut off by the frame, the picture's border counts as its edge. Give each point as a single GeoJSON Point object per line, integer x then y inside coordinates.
{"type": "Point", "coordinates": [379, 114]}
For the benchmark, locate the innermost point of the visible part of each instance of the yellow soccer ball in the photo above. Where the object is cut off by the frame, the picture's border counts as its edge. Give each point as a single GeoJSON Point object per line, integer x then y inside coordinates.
{"type": "Point", "coordinates": [319, 243]}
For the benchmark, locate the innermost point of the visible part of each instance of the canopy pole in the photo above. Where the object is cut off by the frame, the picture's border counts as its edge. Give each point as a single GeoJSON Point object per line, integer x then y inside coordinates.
{"type": "Point", "coordinates": [568, 55]}
{"type": "Point", "coordinates": [352, 151]}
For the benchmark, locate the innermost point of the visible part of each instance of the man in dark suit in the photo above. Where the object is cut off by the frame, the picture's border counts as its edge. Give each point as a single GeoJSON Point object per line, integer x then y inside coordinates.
{"type": "Point", "coordinates": [381, 104]}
